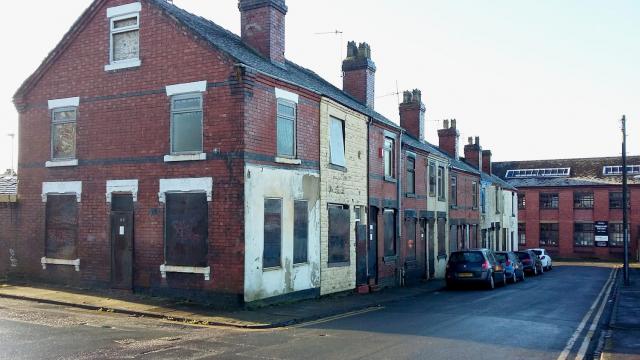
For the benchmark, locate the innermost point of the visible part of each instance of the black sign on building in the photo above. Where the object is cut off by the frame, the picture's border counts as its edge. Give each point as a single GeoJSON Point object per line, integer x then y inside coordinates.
{"type": "Point", "coordinates": [601, 233]}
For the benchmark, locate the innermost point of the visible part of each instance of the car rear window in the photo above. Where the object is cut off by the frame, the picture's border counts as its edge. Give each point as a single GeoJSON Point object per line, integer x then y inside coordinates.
{"type": "Point", "coordinates": [501, 257]}
{"type": "Point", "coordinates": [538, 252]}
{"type": "Point", "coordinates": [467, 257]}
{"type": "Point", "coordinates": [522, 255]}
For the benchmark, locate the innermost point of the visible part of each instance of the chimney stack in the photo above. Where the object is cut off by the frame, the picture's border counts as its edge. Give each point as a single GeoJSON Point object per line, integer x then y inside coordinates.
{"type": "Point", "coordinates": [412, 114]}
{"type": "Point", "coordinates": [473, 153]}
{"type": "Point", "coordinates": [359, 72]}
{"type": "Point", "coordinates": [263, 27]}
{"type": "Point", "coordinates": [487, 167]}
{"type": "Point", "coordinates": [448, 138]}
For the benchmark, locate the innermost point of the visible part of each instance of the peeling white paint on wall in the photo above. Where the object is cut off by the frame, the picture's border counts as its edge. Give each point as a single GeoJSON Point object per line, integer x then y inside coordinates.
{"type": "Point", "coordinates": [266, 182]}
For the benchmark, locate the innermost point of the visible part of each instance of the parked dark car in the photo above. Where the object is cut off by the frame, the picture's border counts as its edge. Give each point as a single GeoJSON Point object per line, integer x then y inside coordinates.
{"type": "Point", "coordinates": [513, 268]}
{"type": "Point", "coordinates": [531, 262]}
{"type": "Point", "coordinates": [477, 266]}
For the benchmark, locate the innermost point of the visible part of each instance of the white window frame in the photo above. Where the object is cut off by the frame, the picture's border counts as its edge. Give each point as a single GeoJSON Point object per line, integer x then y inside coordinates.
{"type": "Point", "coordinates": [332, 153]}
{"type": "Point", "coordinates": [121, 13]}
{"type": "Point", "coordinates": [54, 106]}
{"type": "Point", "coordinates": [177, 97]}
{"type": "Point", "coordinates": [178, 91]}
{"type": "Point", "coordinates": [294, 105]}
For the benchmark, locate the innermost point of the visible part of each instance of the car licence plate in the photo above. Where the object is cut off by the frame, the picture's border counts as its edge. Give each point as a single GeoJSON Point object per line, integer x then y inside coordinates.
{"type": "Point", "coordinates": [465, 275]}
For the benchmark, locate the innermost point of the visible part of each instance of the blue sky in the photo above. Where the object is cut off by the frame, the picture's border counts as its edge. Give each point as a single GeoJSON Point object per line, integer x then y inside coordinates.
{"type": "Point", "coordinates": [533, 78]}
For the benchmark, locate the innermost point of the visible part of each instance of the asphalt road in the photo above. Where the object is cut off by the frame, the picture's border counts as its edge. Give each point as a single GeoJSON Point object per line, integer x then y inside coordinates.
{"type": "Point", "coordinates": [530, 320]}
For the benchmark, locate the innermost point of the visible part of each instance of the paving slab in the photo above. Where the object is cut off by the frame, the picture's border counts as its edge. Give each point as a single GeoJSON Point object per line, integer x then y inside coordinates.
{"type": "Point", "coordinates": [623, 342]}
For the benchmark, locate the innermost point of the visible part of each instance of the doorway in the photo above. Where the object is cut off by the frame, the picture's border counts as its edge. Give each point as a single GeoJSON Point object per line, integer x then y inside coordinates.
{"type": "Point", "coordinates": [122, 241]}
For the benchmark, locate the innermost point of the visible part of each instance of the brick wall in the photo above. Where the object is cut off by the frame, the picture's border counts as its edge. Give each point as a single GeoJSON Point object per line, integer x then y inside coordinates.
{"type": "Point", "coordinates": [566, 216]}
{"type": "Point", "coordinates": [123, 133]}
{"type": "Point", "coordinates": [8, 241]}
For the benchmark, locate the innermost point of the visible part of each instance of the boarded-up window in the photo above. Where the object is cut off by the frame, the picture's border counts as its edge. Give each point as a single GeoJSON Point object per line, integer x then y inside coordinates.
{"type": "Point", "coordinates": [389, 232]}
{"type": "Point", "coordinates": [63, 133]}
{"type": "Point", "coordinates": [300, 231]}
{"type": "Point", "coordinates": [336, 146]}
{"type": "Point", "coordinates": [339, 225]}
{"type": "Point", "coordinates": [61, 227]}
{"type": "Point", "coordinates": [125, 38]}
{"type": "Point", "coordinates": [410, 235]}
{"type": "Point", "coordinates": [186, 123]}
{"type": "Point", "coordinates": [272, 233]}
{"type": "Point", "coordinates": [286, 128]}
{"type": "Point", "coordinates": [186, 229]}
{"type": "Point", "coordinates": [432, 179]}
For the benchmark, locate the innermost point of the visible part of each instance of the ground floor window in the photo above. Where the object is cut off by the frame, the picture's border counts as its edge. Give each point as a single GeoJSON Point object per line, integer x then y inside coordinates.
{"type": "Point", "coordinates": [442, 229]}
{"type": "Point", "coordinates": [583, 234]}
{"type": "Point", "coordinates": [339, 225]}
{"type": "Point", "coordinates": [549, 234]}
{"type": "Point", "coordinates": [616, 234]}
{"type": "Point", "coordinates": [272, 251]}
{"type": "Point", "coordinates": [410, 236]}
{"type": "Point", "coordinates": [61, 227]}
{"type": "Point", "coordinates": [522, 234]}
{"type": "Point", "coordinates": [389, 232]}
{"type": "Point", "coordinates": [186, 229]}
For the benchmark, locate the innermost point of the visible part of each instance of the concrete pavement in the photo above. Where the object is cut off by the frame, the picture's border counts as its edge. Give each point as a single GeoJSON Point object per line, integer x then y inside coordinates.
{"type": "Point", "coordinates": [260, 318]}
{"type": "Point", "coordinates": [623, 337]}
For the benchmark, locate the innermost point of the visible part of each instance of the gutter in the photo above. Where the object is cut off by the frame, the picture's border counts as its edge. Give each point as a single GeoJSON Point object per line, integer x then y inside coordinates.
{"type": "Point", "coordinates": [400, 217]}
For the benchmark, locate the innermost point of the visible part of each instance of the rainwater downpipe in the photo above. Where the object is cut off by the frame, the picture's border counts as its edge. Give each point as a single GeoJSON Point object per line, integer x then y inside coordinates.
{"type": "Point", "coordinates": [399, 217]}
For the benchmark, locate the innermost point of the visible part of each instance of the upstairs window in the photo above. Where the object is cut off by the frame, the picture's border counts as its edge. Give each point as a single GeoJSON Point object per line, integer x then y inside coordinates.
{"type": "Point", "coordinates": [336, 145]}
{"type": "Point", "coordinates": [549, 200]}
{"type": "Point", "coordinates": [522, 202]}
{"type": "Point", "coordinates": [474, 194]}
{"type": "Point", "coordinates": [615, 200]}
{"type": "Point", "coordinates": [411, 175]}
{"type": "Point", "coordinates": [63, 133]}
{"type": "Point", "coordinates": [286, 128]}
{"type": "Point", "coordinates": [432, 179]}
{"type": "Point", "coordinates": [453, 199]}
{"type": "Point", "coordinates": [124, 36]}
{"type": "Point", "coordinates": [583, 200]}
{"type": "Point", "coordinates": [389, 156]}
{"type": "Point", "coordinates": [441, 190]}
{"type": "Point", "coordinates": [186, 124]}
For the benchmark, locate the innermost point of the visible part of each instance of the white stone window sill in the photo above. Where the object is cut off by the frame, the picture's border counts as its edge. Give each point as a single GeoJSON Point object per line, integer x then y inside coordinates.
{"type": "Point", "coordinates": [45, 260]}
{"type": "Point", "coordinates": [282, 160]}
{"type": "Point", "coordinates": [61, 163]}
{"type": "Point", "coordinates": [123, 65]}
{"type": "Point", "coordinates": [185, 157]}
{"type": "Point", "coordinates": [206, 271]}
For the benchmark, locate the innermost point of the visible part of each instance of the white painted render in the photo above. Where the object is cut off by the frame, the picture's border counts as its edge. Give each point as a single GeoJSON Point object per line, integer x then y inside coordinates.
{"type": "Point", "coordinates": [435, 205]}
{"type": "Point", "coordinates": [266, 182]}
{"type": "Point", "coordinates": [122, 186]}
{"type": "Point", "coordinates": [62, 187]}
{"type": "Point", "coordinates": [186, 88]}
{"type": "Point", "coordinates": [185, 157]}
{"type": "Point", "coordinates": [186, 185]}
{"type": "Point", "coordinates": [505, 213]}
{"type": "Point", "coordinates": [62, 103]}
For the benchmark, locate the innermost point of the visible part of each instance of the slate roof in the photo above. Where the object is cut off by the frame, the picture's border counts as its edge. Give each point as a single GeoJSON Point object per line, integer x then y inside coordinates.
{"type": "Point", "coordinates": [584, 171]}
{"type": "Point", "coordinates": [232, 44]}
{"type": "Point", "coordinates": [8, 185]}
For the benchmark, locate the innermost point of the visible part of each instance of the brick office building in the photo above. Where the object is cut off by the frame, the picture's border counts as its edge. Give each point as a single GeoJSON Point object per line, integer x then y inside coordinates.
{"type": "Point", "coordinates": [559, 202]}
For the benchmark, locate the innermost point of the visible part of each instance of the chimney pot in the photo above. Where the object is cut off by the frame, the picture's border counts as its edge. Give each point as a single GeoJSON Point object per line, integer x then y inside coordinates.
{"type": "Point", "coordinates": [478, 140]}
{"type": "Point", "coordinates": [359, 73]}
{"type": "Point", "coordinates": [445, 124]}
{"type": "Point", "coordinates": [470, 139]}
{"type": "Point", "coordinates": [453, 123]}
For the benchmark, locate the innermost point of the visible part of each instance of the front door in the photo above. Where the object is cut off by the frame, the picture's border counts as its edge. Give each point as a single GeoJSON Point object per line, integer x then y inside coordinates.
{"type": "Point", "coordinates": [122, 241]}
{"type": "Point", "coordinates": [361, 249]}
{"type": "Point", "coordinates": [431, 232]}
{"type": "Point", "coordinates": [372, 248]}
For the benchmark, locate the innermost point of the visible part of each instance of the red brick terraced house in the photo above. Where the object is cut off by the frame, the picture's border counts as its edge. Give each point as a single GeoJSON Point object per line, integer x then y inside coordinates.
{"type": "Point", "coordinates": [162, 153]}
{"type": "Point", "coordinates": [573, 207]}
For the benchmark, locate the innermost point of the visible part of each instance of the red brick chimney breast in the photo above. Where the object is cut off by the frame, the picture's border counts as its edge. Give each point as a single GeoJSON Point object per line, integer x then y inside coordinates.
{"type": "Point", "coordinates": [359, 71]}
{"type": "Point", "coordinates": [263, 27]}
{"type": "Point", "coordinates": [412, 112]}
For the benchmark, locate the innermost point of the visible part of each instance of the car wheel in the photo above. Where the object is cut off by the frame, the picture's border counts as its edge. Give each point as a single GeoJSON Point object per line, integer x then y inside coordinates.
{"type": "Point", "coordinates": [504, 279]}
{"type": "Point", "coordinates": [515, 278]}
{"type": "Point", "coordinates": [492, 284]}
{"type": "Point", "coordinates": [522, 277]}
{"type": "Point", "coordinates": [535, 271]}
{"type": "Point", "coordinates": [450, 285]}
